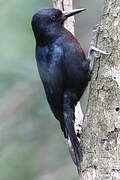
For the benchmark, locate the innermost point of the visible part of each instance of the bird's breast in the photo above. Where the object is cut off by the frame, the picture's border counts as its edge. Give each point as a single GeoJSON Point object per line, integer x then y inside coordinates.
{"type": "Point", "coordinates": [49, 61]}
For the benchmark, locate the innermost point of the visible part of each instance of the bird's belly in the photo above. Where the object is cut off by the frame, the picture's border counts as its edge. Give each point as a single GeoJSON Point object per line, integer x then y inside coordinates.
{"type": "Point", "coordinates": [54, 94]}
{"type": "Point", "coordinates": [52, 79]}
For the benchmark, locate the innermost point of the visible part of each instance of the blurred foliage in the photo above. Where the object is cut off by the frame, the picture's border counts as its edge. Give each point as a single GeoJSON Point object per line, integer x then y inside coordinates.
{"type": "Point", "coordinates": [32, 146]}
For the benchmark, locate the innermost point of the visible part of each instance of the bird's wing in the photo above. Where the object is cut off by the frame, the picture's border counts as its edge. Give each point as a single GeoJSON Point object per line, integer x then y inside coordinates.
{"type": "Point", "coordinates": [50, 66]}
{"type": "Point", "coordinates": [76, 66]}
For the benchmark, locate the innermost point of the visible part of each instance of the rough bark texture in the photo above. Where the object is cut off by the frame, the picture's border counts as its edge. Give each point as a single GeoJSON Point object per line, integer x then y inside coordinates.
{"type": "Point", "coordinates": [101, 131]}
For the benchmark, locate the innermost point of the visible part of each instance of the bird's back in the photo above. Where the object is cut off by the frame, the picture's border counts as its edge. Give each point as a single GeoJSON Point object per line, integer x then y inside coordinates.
{"type": "Point", "coordinates": [76, 66]}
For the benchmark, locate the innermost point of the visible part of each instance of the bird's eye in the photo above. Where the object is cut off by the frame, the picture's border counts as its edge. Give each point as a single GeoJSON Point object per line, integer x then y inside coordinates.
{"type": "Point", "coordinates": [53, 18]}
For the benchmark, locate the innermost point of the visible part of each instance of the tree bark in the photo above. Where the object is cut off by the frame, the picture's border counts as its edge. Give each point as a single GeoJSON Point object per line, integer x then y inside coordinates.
{"type": "Point", "coordinates": [101, 127]}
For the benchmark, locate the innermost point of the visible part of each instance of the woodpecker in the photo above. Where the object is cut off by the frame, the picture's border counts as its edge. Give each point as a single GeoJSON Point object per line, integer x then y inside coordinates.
{"type": "Point", "coordinates": [63, 68]}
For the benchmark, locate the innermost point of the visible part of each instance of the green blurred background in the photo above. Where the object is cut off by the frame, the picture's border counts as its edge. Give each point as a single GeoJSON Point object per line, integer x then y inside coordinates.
{"type": "Point", "coordinates": [32, 146]}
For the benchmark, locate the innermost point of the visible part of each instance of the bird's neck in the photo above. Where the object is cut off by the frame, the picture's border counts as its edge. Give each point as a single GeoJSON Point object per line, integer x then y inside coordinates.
{"type": "Point", "coordinates": [44, 40]}
{"type": "Point", "coordinates": [47, 36]}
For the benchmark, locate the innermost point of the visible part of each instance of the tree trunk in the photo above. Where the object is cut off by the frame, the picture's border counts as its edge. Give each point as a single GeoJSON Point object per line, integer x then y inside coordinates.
{"type": "Point", "coordinates": [101, 127]}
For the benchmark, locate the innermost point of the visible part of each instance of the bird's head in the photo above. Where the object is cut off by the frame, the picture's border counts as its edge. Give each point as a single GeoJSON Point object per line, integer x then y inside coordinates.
{"type": "Point", "coordinates": [48, 22]}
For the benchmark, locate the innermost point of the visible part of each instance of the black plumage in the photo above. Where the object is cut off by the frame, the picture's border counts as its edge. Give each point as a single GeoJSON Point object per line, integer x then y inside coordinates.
{"type": "Point", "coordinates": [63, 67]}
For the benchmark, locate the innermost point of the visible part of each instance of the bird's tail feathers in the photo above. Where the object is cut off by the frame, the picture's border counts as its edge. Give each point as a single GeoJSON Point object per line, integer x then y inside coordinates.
{"type": "Point", "coordinates": [75, 147]}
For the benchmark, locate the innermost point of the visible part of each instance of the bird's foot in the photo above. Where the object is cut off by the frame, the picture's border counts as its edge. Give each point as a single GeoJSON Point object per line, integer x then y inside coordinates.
{"type": "Point", "coordinates": [94, 51]}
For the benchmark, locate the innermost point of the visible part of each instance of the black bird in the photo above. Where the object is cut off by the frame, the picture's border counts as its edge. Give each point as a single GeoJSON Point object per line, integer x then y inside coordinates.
{"type": "Point", "coordinates": [63, 68]}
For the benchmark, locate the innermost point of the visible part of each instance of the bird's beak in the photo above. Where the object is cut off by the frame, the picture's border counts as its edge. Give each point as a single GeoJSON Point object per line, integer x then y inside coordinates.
{"type": "Point", "coordinates": [73, 12]}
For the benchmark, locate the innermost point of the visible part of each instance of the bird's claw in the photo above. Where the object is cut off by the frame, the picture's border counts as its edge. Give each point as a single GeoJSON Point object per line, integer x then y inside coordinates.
{"type": "Point", "coordinates": [96, 55]}
{"type": "Point", "coordinates": [97, 52]}
{"type": "Point", "coordinates": [94, 50]}
{"type": "Point", "coordinates": [100, 51]}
